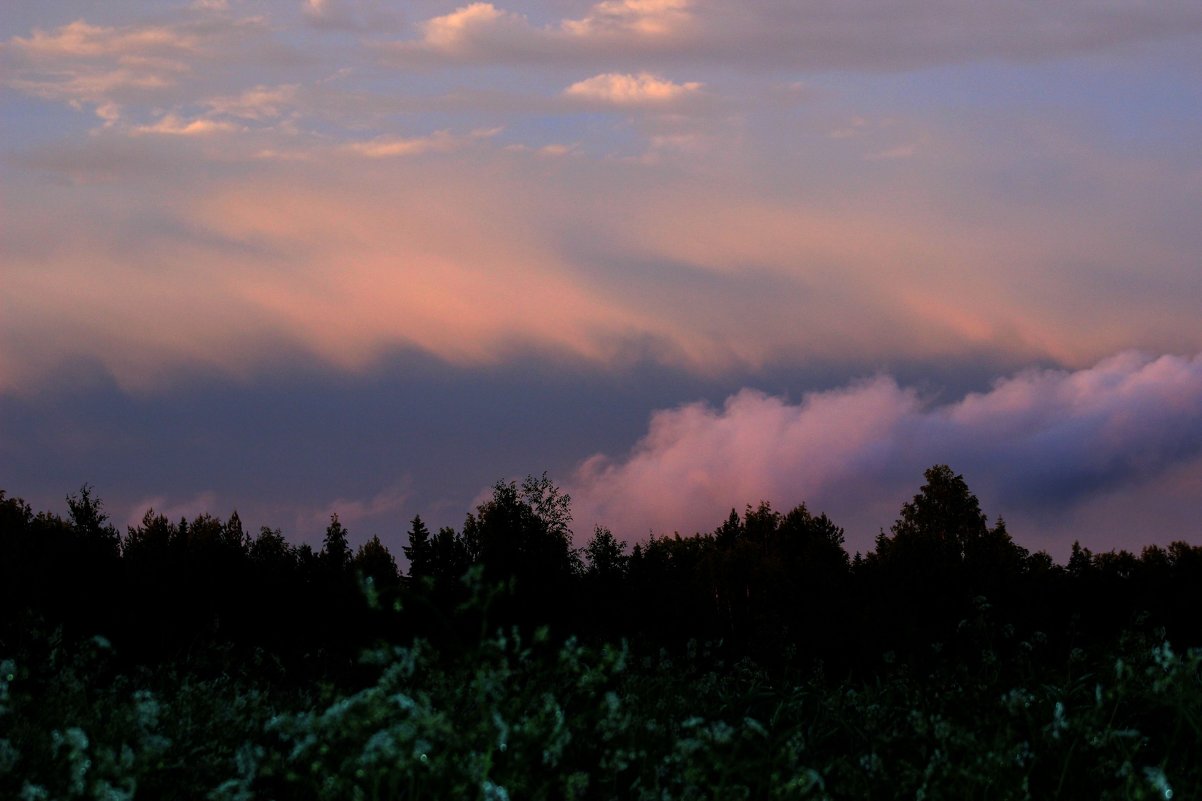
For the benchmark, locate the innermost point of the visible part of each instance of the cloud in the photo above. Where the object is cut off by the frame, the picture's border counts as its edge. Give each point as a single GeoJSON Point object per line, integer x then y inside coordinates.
{"type": "Point", "coordinates": [827, 35]}
{"type": "Point", "coordinates": [484, 32]}
{"type": "Point", "coordinates": [82, 40]}
{"type": "Point", "coordinates": [861, 34]}
{"type": "Point", "coordinates": [174, 510]}
{"type": "Point", "coordinates": [1038, 447]}
{"type": "Point", "coordinates": [388, 503]}
{"type": "Point", "coordinates": [631, 90]}
{"type": "Point", "coordinates": [172, 125]}
{"type": "Point", "coordinates": [346, 258]}
{"type": "Point", "coordinates": [257, 103]}
{"type": "Point", "coordinates": [454, 29]}
{"type": "Point", "coordinates": [649, 18]}
{"type": "Point", "coordinates": [351, 15]}
{"type": "Point", "coordinates": [438, 142]}
{"type": "Point", "coordinates": [84, 63]}
{"type": "Point", "coordinates": [81, 63]}
{"type": "Point", "coordinates": [893, 153]}
{"type": "Point", "coordinates": [286, 242]}
{"type": "Point", "coordinates": [239, 192]}
{"type": "Point", "coordinates": [306, 521]}
{"type": "Point", "coordinates": [477, 30]}
{"type": "Point", "coordinates": [734, 239]}
{"type": "Point", "coordinates": [93, 86]}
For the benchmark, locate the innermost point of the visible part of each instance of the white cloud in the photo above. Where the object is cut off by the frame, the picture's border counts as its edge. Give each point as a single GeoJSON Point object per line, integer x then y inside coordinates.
{"type": "Point", "coordinates": [631, 90]}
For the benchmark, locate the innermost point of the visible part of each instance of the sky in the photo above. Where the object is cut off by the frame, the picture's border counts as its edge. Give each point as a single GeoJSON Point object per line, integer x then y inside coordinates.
{"type": "Point", "coordinates": [298, 257]}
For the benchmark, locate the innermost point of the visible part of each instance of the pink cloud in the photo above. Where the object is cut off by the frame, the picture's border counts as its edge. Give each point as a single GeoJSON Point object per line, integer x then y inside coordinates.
{"type": "Point", "coordinates": [82, 63]}
{"type": "Point", "coordinates": [171, 125]}
{"type": "Point", "coordinates": [454, 29]}
{"type": "Point", "coordinates": [174, 509]}
{"type": "Point", "coordinates": [80, 39]}
{"type": "Point", "coordinates": [651, 18]}
{"type": "Point", "coordinates": [1043, 448]}
{"type": "Point", "coordinates": [293, 207]}
{"type": "Point", "coordinates": [481, 31]}
{"type": "Point", "coordinates": [437, 142]}
{"type": "Point", "coordinates": [391, 501]}
{"type": "Point", "coordinates": [460, 245]}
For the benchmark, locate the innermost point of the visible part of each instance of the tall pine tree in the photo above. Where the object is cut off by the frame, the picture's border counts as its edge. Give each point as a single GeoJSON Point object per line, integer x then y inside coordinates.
{"type": "Point", "coordinates": [420, 550]}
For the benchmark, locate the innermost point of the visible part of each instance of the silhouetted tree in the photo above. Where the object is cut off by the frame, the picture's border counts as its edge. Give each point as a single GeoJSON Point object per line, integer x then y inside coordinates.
{"type": "Point", "coordinates": [1080, 561]}
{"type": "Point", "coordinates": [762, 584]}
{"type": "Point", "coordinates": [449, 555]}
{"type": "Point", "coordinates": [551, 506]}
{"type": "Point", "coordinates": [374, 560]}
{"type": "Point", "coordinates": [90, 521]}
{"type": "Point", "coordinates": [151, 540]}
{"type": "Point", "coordinates": [939, 525]}
{"type": "Point", "coordinates": [335, 547]}
{"type": "Point", "coordinates": [923, 578]}
{"type": "Point", "coordinates": [811, 544]}
{"type": "Point", "coordinates": [730, 531]}
{"type": "Point", "coordinates": [523, 533]}
{"type": "Point", "coordinates": [271, 550]}
{"type": "Point", "coordinates": [420, 550]}
{"type": "Point", "coordinates": [605, 556]}
{"type": "Point", "coordinates": [234, 535]}
{"type": "Point", "coordinates": [760, 524]}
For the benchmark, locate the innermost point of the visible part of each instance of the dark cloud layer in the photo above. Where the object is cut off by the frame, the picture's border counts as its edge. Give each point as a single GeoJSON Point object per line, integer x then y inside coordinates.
{"type": "Point", "coordinates": [1056, 452]}
{"type": "Point", "coordinates": [288, 450]}
{"type": "Point", "coordinates": [286, 447]}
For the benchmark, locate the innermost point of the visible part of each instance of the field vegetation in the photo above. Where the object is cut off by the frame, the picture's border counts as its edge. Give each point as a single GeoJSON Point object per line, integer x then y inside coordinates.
{"type": "Point", "coordinates": [192, 659]}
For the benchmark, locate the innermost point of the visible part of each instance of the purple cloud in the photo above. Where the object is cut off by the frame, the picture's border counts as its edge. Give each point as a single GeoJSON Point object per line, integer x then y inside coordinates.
{"type": "Point", "coordinates": [1037, 447]}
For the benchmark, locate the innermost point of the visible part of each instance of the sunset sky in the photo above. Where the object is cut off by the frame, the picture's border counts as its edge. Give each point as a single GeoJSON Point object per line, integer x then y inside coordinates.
{"type": "Point", "coordinates": [369, 257]}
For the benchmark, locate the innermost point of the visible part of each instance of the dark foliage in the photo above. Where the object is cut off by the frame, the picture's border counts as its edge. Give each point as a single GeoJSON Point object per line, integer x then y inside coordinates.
{"type": "Point", "coordinates": [771, 625]}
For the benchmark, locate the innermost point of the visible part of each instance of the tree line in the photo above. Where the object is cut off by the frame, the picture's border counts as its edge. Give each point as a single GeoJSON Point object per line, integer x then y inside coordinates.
{"type": "Point", "coordinates": [776, 586]}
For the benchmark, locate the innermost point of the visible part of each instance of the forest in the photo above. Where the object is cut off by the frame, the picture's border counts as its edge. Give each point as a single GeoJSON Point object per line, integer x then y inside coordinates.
{"type": "Point", "coordinates": [195, 659]}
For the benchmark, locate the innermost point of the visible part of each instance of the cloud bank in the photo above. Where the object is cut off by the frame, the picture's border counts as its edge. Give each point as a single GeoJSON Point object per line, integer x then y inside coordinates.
{"type": "Point", "coordinates": [214, 188]}
{"type": "Point", "coordinates": [193, 243]}
{"type": "Point", "coordinates": [822, 35]}
{"type": "Point", "coordinates": [1042, 448]}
